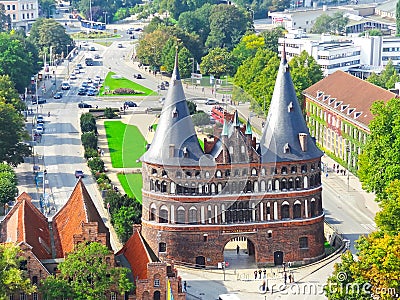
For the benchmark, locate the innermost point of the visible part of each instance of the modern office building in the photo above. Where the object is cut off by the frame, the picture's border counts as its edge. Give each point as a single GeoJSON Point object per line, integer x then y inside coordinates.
{"type": "Point", "coordinates": [23, 13]}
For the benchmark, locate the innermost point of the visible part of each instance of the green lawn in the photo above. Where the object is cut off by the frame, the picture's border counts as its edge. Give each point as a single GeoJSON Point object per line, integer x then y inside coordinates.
{"type": "Point", "coordinates": [114, 83]}
{"type": "Point", "coordinates": [125, 143]}
{"type": "Point", "coordinates": [132, 185]}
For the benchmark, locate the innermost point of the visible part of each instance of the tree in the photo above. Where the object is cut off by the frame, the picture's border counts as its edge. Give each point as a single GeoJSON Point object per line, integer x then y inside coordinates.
{"type": "Point", "coordinates": [86, 274]}
{"type": "Point", "coordinates": [346, 280]}
{"type": "Point", "coordinates": [5, 19]}
{"type": "Point", "coordinates": [379, 161]}
{"type": "Point", "coordinates": [248, 47]}
{"type": "Point", "coordinates": [47, 7]}
{"type": "Point", "coordinates": [398, 18]}
{"type": "Point", "coordinates": [371, 32]}
{"type": "Point", "coordinates": [216, 62]}
{"type": "Point", "coordinates": [8, 184]}
{"type": "Point", "coordinates": [12, 278]}
{"type": "Point", "coordinates": [89, 140]}
{"type": "Point", "coordinates": [96, 164]}
{"type": "Point", "coordinates": [123, 221]}
{"type": "Point", "coordinates": [88, 123]}
{"type": "Point", "coordinates": [12, 134]}
{"type": "Point", "coordinates": [330, 24]}
{"type": "Point", "coordinates": [46, 33]}
{"type": "Point", "coordinates": [271, 38]}
{"type": "Point", "coordinates": [228, 24]}
{"type": "Point", "coordinates": [387, 78]}
{"type": "Point", "coordinates": [16, 60]}
{"type": "Point", "coordinates": [201, 118]}
{"type": "Point", "coordinates": [8, 93]}
{"type": "Point", "coordinates": [388, 219]}
{"type": "Point", "coordinates": [305, 72]}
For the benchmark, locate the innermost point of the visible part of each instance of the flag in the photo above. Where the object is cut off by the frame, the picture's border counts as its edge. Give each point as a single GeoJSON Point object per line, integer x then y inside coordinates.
{"type": "Point", "coordinates": [170, 296]}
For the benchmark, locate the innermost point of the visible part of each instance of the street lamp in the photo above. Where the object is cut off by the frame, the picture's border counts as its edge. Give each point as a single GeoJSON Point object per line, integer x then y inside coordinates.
{"type": "Point", "coordinates": [105, 17]}
{"type": "Point", "coordinates": [68, 59]}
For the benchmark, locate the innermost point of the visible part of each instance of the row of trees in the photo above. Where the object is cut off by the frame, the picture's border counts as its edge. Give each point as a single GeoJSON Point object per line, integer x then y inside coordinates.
{"type": "Point", "coordinates": [124, 210]}
{"type": "Point", "coordinates": [377, 266]}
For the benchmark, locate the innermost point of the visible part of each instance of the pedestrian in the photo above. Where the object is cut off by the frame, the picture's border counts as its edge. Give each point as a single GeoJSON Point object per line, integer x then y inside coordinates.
{"type": "Point", "coordinates": [184, 286]}
{"type": "Point", "coordinates": [326, 174]}
{"type": "Point", "coordinates": [344, 172]}
{"type": "Point", "coordinates": [285, 277]}
{"type": "Point", "coordinates": [102, 152]}
{"type": "Point", "coordinates": [259, 273]}
{"type": "Point", "coordinates": [290, 278]}
{"type": "Point", "coordinates": [334, 167]}
{"type": "Point", "coordinates": [237, 249]}
{"type": "Point", "coordinates": [265, 273]}
{"type": "Point", "coordinates": [255, 274]}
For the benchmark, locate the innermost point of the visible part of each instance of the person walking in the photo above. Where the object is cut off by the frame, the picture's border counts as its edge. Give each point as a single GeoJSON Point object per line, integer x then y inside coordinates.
{"type": "Point", "coordinates": [237, 249]}
{"type": "Point", "coordinates": [259, 273]}
{"type": "Point", "coordinates": [255, 274]}
{"type": "Point", "coordinates": [285, 277]}
{"type": "Point", "coordinates": [184, 286]}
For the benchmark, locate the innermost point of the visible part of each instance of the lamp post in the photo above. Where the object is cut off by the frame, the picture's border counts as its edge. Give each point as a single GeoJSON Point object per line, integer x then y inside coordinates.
{"type": "Point", "coordinates": [191, 76]}
{"type": "Point", "coordinates": [68, 59]}
{"type": "Point", "coordinates": [105, 17]}
{"type": "Point", "coordinates": [348, 165]}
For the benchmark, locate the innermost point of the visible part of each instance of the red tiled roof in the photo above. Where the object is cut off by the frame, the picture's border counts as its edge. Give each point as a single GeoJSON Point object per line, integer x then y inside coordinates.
{"type": "Point", "coordinates": [67, 222]}
{"type": "Point", "coordinates": [25, 223]}
{"type": "Point", "coordinates": [345, 89]}
{"type": "Point", "coordinates": [137, 254]}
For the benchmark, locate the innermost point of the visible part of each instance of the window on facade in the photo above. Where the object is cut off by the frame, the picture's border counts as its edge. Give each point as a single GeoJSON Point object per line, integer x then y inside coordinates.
{"type": "Point", "coordinates": [34, 296]}
{"type": "Point", "coordinates": [303, 242]}
{"type": "Point", "coordinates": [269, 234]}
{"type": "Point", "coordinates": [22, 296]}
{"type": "Point", "coordinates": [163, 215]}
{"type": "Point", "coordinates": [180, 215]}
{"type": "Point", "coordinates": [227, 173]}
{"type": "Point", "coordinates": [13, 7]}
{"type": "Point", "coordinates": [34, 280]}
{"type": "Point", "coordinates": [192, 215]}
{"type": "Point", "coordinates": [218, 174]}
{"type": "Point", "coordinates": [156, 282]}
{"type": "Point", "coordinates": [207, 174]}
{"type": "Point", "coordinates": [162, 247]}
{"type": "Point", "coordinates": [297, 211]}
{"type": "Point", "coordinates": [285, 211]}
{"type": "Point", "coordinates": [113, 296]}
{"type": "Point", "coordinates": [23, 264]}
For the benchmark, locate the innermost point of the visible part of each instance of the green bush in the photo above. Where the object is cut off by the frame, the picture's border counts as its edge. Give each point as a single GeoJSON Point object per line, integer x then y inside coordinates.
{"type": "Point", "coordinates": [91, 153]}
{"type": "Point", "coordinates": [109, 113]}
{"type": "Point", "coordinates": [96, 165]}
{"type": "Point", "coordinates": [200, 119]}
{"type": "Point", "coordinates": [89, 140]}
{"type": "Point", "coordinates": [88, 123]}
{"type": "Point", "coordinates": [124, 91]}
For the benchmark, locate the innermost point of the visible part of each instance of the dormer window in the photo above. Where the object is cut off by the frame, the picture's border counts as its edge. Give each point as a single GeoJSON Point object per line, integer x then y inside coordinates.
{"type": "Point", "coordinates": [344, 107]}
{"type": "Point", "coordinates": [331, 100]}
{"type": "Point", "coordinates": [319, 94]}
{"type": "Point", "coordinates": [185, 152]}
{"type": "Point", "coordinates": [175, 113]}
{"type": "Point", "coordinates": [290, 107]}
{"type": "Point", "coordinates": [357, 114]}
{"type": "Point", "coordinates": [338, 103]}
{"type": "Point", "coordinates": [286, 148]}
{"type": "Point", "coordinates": [325, 97]}
{"type": "Point", "coordinates": [351, 110]}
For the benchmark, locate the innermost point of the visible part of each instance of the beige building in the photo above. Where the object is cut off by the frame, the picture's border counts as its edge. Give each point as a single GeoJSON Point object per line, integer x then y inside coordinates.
{"type": "Point", "coordinates": [22, 12]}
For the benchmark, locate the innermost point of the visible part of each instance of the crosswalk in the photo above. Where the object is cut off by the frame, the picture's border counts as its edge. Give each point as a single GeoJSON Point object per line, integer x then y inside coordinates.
{"type": "Point", "coordinates": [369, 227]}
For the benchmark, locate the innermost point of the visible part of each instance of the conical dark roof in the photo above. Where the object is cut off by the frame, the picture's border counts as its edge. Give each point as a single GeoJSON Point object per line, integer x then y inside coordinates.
{"type": "Point", "coordinates": [285, 125]}
{"type": "Point", "coordinates": [175, 141]}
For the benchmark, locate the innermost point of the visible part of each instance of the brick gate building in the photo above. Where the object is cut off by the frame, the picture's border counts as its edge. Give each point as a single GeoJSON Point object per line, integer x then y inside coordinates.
{"type": "Point", "coordinates": [195, 201]}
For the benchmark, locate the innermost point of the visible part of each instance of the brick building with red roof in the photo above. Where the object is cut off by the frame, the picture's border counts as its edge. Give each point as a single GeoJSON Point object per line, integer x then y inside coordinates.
{"type": "Point", "coordinates": [45, 243]}
{"type": "Point", "coordinates": [338, 114]}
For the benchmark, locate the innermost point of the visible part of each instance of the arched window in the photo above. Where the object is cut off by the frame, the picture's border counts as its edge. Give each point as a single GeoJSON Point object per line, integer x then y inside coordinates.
{"type": "Point", "coordinates": [163, 187]}
{"type": "Point", "coordinates": [263, 171]}
{"type": "Point", "coordinates": [219, 187]}
{"type": "Point", "coordinates": [290, 184]}
{"type": "Point", "coordinates": [305, 182]}
{"type": "Point", "coordinates": [293, 169]}
{"type": "Point", "coordinates": [153, 210]}
{"type": "Point", "coordinates": [212, 188]}
{"type": "Point", "coordinates": [284, 170]}
{"type": "Point", "coordinates": [297, 210]}
{"type": "Point", "coordinates": [313, 208]}
{"type": "Point", "coordinates": [173, 188]}
{"type": "Point", "coordinates": [180, 215]}
{"type": "Point", "coordinates": [152, 187]}
{"type": "Point", "coordinates": [200, 189]}
{"type": "Point", "coordinates": [164, 174]}
{"type": "Point", "coordinates": [207, 174]}
{"type": "Point", "coordinates": [153, 171]}
{"type": "Point", "coordinates": [163, 214]}
{"type": "Point", "coordinates": [269, 188]}
{"type": "Point", "coordinates": [254, 172]}
{"type": "Point", "coordinates": [276, 185]}
{"type": "Point", "coordinates": [284, 184]}
{"type": "Point", "coordinates": [242, 149]}
{"type": "Point", "coordinates": [178, 174]}
{"type": "Point", "coordinates": [285, 210]}
{"type": "Point", "coordinates": [193, 215]}
{"type": "Point", "coordinates": [188, 174]}
{"type": "Point", "coordinates": [303, 168]}
{"type": "Point", "coordinates": [262, 186]}
{"type": "Point", "coordinates": [209, 214]}
{"type": "Point", "coordinates": [218, 174]}
{"type": "Point", "coordinates": [255, 186]}
{"type": "Point", "coordinates": [298, 183]}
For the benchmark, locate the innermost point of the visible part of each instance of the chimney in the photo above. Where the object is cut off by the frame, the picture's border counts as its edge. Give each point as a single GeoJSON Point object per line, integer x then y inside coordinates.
{"type": "Point", "coordinates": [303, 141]}
{"type": "Point", "coordinates": [171, 150]}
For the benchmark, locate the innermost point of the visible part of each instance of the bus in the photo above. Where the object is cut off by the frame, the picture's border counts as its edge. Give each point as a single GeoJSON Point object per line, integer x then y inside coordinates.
{"type": "Point", "coordinates": [89, 60]}
{"type": "Point", "coordinates": [93, 25]}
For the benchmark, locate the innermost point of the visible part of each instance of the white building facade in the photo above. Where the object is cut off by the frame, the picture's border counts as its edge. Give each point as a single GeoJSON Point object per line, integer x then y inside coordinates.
{"type": "Point", "coordinates": [23, 13]}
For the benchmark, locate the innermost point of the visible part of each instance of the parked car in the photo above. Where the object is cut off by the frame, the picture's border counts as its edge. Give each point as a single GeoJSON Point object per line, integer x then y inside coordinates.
{"type": "Point", "coordinates": [82, 91]}
{"type": "Point", "coordinates": [65, 85]}
{"type": "Point", "coordinates": [57, 95]}
{"type": "Point", "coordinates": [166, 83]}
{"type": "Point", "coordinates": [119, 45]}
{"type": "Point", "coordinates": [39, 119]}
{"type": "Point", "coordinates": [161, 87]}
{"type": "Point", "coordinates": [130, 104]}
{"type": "Point", "coordinates": [41, 100]}
{"type": "Point", "coordinates": [84, 105]}
{"type": "Point", "coordinates": [96, 56]}
{"type": "Point", "coordinates": [72, 76]}
{"type": "Point", "coordinates": [79, 66]}
{"type": "Point", "coordinates": [92, 48]}
{"type": "Point", "coordinates": [91, 92]}
{"type": "Point", "coordinates": [211, 102]}
{"type": "Point", "coordinates": [79, 174]}
{"type": "Point", "coordinates": [84, 84]}
{"type": "Point", "coordinates": [39, 128]}
{"type": "Point", "coordinates": [138, 76]}
{"type": "Point", "coordinates": [77, 70]}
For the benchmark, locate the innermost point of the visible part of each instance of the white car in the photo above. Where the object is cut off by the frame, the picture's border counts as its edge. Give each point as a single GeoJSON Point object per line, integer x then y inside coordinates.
{"type": "Point", "coordinates": [72, 76]}
{"type": "Point", "coordinates": [40, 128]}
{"type": "Point", "coordinates": [65, 85]}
